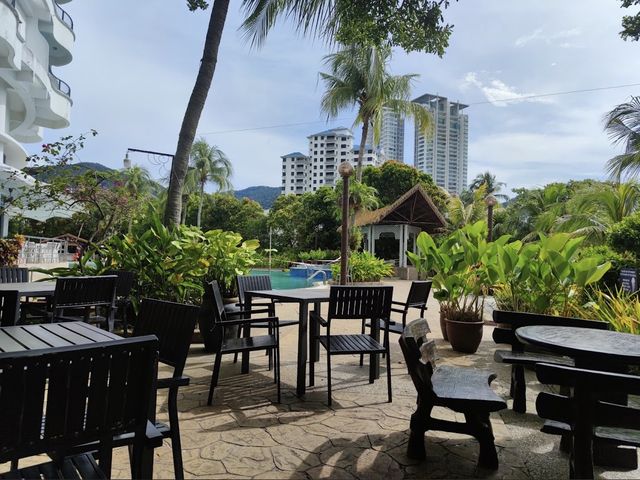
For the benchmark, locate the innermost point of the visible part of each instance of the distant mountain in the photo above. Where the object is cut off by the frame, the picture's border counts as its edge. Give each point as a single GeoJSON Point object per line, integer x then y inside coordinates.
{"type": "Point", "coordinates": [265, 196]}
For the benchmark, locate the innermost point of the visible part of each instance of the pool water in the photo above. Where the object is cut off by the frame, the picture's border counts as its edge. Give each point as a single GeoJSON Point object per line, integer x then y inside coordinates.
{"type": "Point", "coordinates": [283, 280]}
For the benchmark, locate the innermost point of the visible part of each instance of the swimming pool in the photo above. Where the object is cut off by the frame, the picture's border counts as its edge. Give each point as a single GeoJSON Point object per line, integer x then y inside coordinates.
{"type": "Point", "coordinates": [283, 280]}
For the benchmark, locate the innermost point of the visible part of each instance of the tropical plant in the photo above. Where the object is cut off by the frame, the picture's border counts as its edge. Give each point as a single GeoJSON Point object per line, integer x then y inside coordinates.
{"type": "Point", "coordinates": [315, 255]}
{"type": "Point", "coordinates": [618, 260]}
{"type": "Point", "coordinates": [358, 77]}
{"type": "Point", "coordinates": [625, 235]}
{"type": "Point", "coordinates": [413, 25]}
{"type": "Point", "coordinates": [364, 267]}
{"type": "Point", "coordinates": [491, 185]}
{"type": "Point", "coordinates": [630, 23]}
{"type": "Point", "coordinates": [619, 308]}
{"type": "Point", "coordinates": [10, 250]}
{"type": "Point", "coordinates": [209, 165]}
{"type": "Point", "coordinates": [460, 213]}
{"type": "Point", "coordinates": [623, 126]}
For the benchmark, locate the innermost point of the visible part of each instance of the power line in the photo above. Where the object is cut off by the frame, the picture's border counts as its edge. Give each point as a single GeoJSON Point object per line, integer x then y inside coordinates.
{"type": "Point", "coordinates": [484, 102]}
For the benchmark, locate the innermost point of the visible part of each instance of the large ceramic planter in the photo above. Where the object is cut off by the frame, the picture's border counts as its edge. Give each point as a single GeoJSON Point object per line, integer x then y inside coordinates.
{"type": "Point", "coordinates": [443, 327]}
{"type": "Point", "coordinates": [464, 337]}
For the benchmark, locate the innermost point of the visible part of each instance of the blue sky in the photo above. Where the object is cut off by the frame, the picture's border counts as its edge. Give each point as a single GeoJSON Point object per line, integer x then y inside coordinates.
{"type": "Point", "coordinates": [135, 63]}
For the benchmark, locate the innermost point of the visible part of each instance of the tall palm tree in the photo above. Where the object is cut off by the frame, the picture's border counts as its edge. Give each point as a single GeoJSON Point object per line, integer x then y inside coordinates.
{"type": "Point", "coordinates": [461, 213]}
{"type": "Point", "coordinates": [359, 77]}
{"type": "Point", "coordinates": [493, 187]}
{"type": "Point", "coordinates": [210, 164]}
{"type": "Point", "coordinates": [623, 126]}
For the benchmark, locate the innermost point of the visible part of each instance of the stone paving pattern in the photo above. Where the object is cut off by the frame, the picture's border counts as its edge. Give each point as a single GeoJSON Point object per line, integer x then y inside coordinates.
{"type": "Point", "coordinates": [245, 434]}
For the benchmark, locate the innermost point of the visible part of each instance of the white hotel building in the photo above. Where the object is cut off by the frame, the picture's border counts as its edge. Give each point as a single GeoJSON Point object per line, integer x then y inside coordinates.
{"type": "Point", "coordinates": [328, 149]}
{"type": "Point", "coordinates": [35, 37]}
{"type": "Point", "coordinates": [444, 153]}
{"type": "Point", "coordinates": [391, 144]}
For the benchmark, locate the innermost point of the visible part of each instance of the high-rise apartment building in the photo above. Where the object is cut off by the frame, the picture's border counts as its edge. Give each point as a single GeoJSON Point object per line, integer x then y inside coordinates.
{"type": "Point", "coordinates": [327, 149]}
{"type": "Point", "coordinates": [391, 144]}
{"type": "Point", "coordinates": [35, 36]}
{"type": "Point", "coordinates": [444, 153]}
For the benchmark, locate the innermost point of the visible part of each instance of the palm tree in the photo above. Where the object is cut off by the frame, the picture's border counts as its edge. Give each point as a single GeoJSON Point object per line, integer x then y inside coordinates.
{"type": "Point", "coordinates": [209, 164]}
{"type": "Point", "coordinates": [623, 126]}
{"type": "Point", "coordinates": [493, 187]}
{"type": "Point", "coordinates": [359, 77]}
{"type": "Point", "coordinates": [137, 181]}
{"type": "Point", "coordinates": [594, 210]}
{"type": "Point", "coordinates": [461, 213]}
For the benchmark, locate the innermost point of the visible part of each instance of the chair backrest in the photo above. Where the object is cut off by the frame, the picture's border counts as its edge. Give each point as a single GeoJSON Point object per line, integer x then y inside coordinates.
{"type": "Point", "coordinates": [358, 302]}
{"type": "Point", "coordinates": [419, 354]}
{"type": "Point", "coordinates": [55, 399]}
{"type": "Point", "coordinates": [252, 282]}
{"type": "Point", "coordinates": [84, 291]}
{"type": "Point", "coordinates": [125, 282]}
{"type": "Point", "coordinates": [515, 320]}
{"type": "Point", "coordinates": [419, 293]}
{"type": "Point", "coordinates": [9, 307]}
{"type": "Point", "coordinates": [14, 274]}
{"type": "Point", "coordinates": [210, 315]}
{"type": "Point", "coordinates": [173, 324]}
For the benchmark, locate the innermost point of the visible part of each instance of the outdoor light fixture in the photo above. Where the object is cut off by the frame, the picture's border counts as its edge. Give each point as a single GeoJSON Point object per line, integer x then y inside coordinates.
{"type": "Point", "coordinates": [345, 169]}
{"type": "Point", "coordinates": [127, 161]}
{"type": "Point", "coordinates": [490, 201]}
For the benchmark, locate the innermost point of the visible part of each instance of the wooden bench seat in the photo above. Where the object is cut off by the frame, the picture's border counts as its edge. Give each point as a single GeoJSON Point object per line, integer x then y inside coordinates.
{"type": "Point", "coordinates": [521, 355]}
{"type": "Point", "coordinates": [463, 390]}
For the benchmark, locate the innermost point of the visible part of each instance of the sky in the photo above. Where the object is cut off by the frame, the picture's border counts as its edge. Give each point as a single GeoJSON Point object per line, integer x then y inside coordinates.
{"type": "Point", "coordinates": [135, 64]}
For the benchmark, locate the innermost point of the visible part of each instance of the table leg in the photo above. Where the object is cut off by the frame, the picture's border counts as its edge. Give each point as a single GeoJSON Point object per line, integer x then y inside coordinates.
{"type": "Point", "coordinates": [314, 353]}
{"type": "Point", "coordinates": [581, 457]}
{"type": "Point", "coordinates": [247, 333]}
{"type": "Point", "coordinates": [302, 349]}
{"type": "Point", "coordinates": [374, 358]}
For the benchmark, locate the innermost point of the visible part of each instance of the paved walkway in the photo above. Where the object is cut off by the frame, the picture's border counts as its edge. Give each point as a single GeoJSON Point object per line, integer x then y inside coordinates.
{"type": "Point", "coordinates": [246, 435]}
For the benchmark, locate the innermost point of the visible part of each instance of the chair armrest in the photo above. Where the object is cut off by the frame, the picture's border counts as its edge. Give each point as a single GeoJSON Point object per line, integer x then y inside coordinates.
{"type": "Point", "coordinates": [173, 382]}
{"type": "Point", "coordinates": [394, 302]}
{"type": "Point", "coordinates": [248, 321]}
{"type": "Point", "coordinates": [153, 436]}
{"type": "Point", "coordinates": [248, 312]}
{"type": "Point", "coordinates": [317, 317]}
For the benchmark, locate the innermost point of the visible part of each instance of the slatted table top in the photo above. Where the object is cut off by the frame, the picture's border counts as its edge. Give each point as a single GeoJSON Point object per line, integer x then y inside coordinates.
{"type": "Point", "coordinates": [33, 289]}
{"type": "Point", "coordinates": [584, 343]}
{"type": "Point", "coordinates": [294, 294]}
{"type": "Point", "coordinates": [51, 335]}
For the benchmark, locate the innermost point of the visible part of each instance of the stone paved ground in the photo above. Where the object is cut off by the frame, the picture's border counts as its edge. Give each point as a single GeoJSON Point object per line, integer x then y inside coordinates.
{"type": "Point", "coordinates": [246, 435]}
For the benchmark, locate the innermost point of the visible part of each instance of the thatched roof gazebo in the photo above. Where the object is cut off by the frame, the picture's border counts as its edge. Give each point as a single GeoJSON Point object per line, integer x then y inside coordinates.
{"type": "Point", "coordinates": [392, 230]}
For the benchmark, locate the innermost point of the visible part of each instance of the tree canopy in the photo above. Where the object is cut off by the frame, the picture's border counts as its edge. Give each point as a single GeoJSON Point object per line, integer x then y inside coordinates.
{"type": "Point", "coordinates": [630, 23]}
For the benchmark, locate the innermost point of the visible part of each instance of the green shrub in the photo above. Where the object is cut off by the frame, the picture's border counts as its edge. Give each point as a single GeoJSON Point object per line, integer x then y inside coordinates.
{"type": "Point", "coordinates": [620, 309]}
{"type": "Point", "coordinates": [278, 260]}
{"type": "Point", "coordinates": [315, 255]}
{"type": "Point", "coordinates": [171, 264]}
{"type": "Point", "coordinates": [624, 236]}
{"type": "Point", "coordinates": [364, 267]}
{"type": "Point", "coordinates": [604, 253]}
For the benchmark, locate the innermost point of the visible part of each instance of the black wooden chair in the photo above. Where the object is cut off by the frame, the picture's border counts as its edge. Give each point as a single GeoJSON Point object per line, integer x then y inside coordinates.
{"type": "Point", "coordinates": [227, 344]}
{"type": "Point", "coordinates": [55, 401]}
{"type": "Point", "coordinates": [521, 355]}
{"type": "Point", "coordinates": [173, 324]}
{"type": "Point", "coordinates": [463, 390]}
{"type": "Point", "coordinates": [14, 274]}
{"type": "Point", "coordinates": [355, 303]}
{"type": "Point", "coordinates": [583, 412]}
{"type": "Point", "coordinates": [122, 304]}
{"type": "Point", "coordinates": [9, 307]}
{"type": "Point", "coordinates": [83, 298]}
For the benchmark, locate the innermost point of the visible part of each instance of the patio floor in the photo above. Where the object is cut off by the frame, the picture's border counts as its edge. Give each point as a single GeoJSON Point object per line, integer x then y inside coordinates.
{"type": "Point", "coordinates": [246, 435]}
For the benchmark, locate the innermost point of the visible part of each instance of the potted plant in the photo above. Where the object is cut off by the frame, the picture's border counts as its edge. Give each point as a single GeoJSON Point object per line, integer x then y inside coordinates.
{"type": "Point", "coordinates": [460, 280]}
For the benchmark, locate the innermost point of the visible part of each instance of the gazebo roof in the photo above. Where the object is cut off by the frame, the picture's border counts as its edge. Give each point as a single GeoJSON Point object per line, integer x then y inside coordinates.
{"type": "Point", "coordinates": [414, 208]}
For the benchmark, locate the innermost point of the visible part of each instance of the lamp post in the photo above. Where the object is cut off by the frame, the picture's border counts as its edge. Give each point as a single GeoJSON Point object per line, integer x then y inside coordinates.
{"type": "Point", "coordinates": [490, 201]}
{"type": "Point", "coordinates": [345, 169]}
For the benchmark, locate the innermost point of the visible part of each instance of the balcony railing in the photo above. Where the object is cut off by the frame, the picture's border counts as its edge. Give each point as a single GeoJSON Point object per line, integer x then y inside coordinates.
{"type": "Point", "coordinates": [60, 85]}
{"type": "Point", "coordinates": [63, 16]}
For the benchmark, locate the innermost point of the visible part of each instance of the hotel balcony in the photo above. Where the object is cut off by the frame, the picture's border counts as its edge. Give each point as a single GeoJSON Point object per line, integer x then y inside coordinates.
{"type": "Point", "coordinates": [59, 34]}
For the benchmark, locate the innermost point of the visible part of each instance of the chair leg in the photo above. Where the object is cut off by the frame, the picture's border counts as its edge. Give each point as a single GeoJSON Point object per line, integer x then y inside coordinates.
{"type": "Point", "coordinates": [389, 374]}
{"type": "Point", "coordinates": [519, 389]}
{"type": "Point", "coordinates": [235, 355]}
{"type": "Point", "coordinates": [481, 429]}
{"type": "Point", "coordinates": [312, 371]}
{"type": "Point", "coordinates": [176, 446]}
{"type": "Point", "coordinates": [329, 376]}
{"type": "Point", "coordinates": [214, 377]}
{"type": "Point", "coordinates": [362, 355]}
{"type": "Point", "coordinates": [125, 324]}
{"type": "Point", "coordinates": [277, 370]}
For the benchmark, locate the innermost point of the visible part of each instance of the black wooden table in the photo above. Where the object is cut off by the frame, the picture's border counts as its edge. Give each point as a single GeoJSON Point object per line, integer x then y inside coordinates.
{"type": "Point", "coordinates": [31, 289]}
{"type": "Point", "coordinates": [53, 335]}
{"type": "Point", "coordinates": [592, 350]}
{"type": "Point", "coordinates": [303, 297]}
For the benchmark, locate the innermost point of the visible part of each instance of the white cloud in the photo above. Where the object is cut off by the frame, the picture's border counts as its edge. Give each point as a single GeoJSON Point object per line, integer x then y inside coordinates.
{"type": "Point", "coordinates": [538, 35]}
{"type": "Point", "coordinates": [499, 93]}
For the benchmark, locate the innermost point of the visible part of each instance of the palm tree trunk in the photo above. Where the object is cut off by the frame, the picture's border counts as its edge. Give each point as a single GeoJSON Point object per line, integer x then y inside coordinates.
{"type": "Point", "coordinates": [363, 144]}
{"type": "Point", "coordinates": [199, 216]}
{"type": "Point", "coordinates": [194, 110]}
{"type": "Point", "coordinates": [184, 206]}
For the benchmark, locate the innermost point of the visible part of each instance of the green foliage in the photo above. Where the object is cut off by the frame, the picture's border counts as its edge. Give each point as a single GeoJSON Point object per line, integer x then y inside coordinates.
{"type": "Point", "coordinates": [625, 235]}
{"type": "Point", "coordinates": [9, 250]}
{"type": "Point", "coordinates": [414, 25]}
{"type": "Point", "coordinates": [278, 260]}
{"type": "Point", "coordinates": [364, 267]}
{"type": "Point", "coordinates": [461, 213]}
{"type": "Point", "coordinates": [459, 269]}
{"type": "Point", "coordinates": [171, 263]}
{"type": "Point", "coordinates": [620, 309]}
{"type": "Point", "coordinates": [197, 4]}
{"type": "Point", "coordinates": [319, 254]}
{"type": "Point", "coordinates": [630, 23]}
{"type": "Point", "coordinates": [618, 260]}
{"type": "Point", "coordinates": [623, 126]}
{"type": "Point", "coordinates": [393, 179]}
